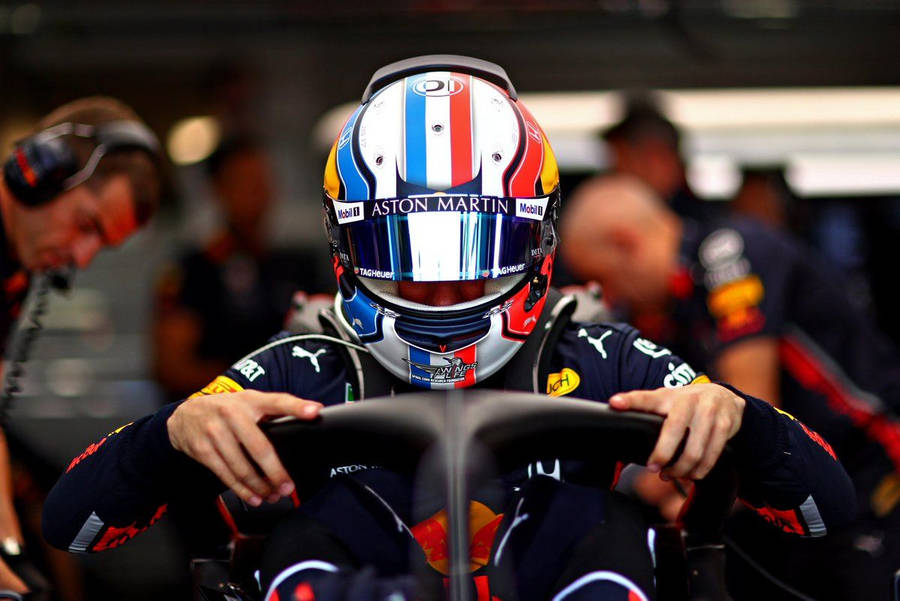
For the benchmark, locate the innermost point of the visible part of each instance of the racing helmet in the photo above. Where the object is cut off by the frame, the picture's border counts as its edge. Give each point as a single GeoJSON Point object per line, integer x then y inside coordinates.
{"type": "Point", "coordinates": [441, 175]}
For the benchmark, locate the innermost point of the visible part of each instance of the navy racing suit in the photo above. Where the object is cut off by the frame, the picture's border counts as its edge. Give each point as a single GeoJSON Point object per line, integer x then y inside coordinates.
{"type": "Point", "coordinates": [550, 521]}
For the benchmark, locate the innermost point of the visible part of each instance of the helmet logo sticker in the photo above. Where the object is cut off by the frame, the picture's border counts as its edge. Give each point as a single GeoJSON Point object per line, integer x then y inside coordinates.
{"type": "Point", "coordinates": [534, 208]}
{"type": "Point", "coordinates": [455, 370]}
{"type": "Point", "coordinates": [505, 270]}
{"type": "Point", "coordinates": [348, 212]}
{"type": "Point", "coordinates": [367, 272]}
{"type": "Point", "coordinates": [383, 310]}
{"type": "Point", "coordinates": [498, 309]}
{"type": "Point", "coordinates": [438, 87]}
{"type": "Point", "coordinates": [345, 137]}
{"type": "Point", "coordinates": [533, 131]}
{"type": "Point", "coordinates": [531, 208]}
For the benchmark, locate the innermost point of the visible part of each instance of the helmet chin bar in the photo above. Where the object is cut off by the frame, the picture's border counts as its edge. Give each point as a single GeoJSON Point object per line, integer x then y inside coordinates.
{"type": "Point", "coordinates": [445, 330]}
{"type": "Point", "coordinates": [475, 343]}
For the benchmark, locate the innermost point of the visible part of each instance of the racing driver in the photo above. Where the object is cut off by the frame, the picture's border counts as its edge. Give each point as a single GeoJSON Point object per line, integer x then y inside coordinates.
{"type": "Point", "coordinates": [441, 197]}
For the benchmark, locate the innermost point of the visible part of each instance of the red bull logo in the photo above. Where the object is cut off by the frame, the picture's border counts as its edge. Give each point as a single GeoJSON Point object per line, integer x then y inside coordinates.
{"type": "Point", "coordinates": [431, 535]}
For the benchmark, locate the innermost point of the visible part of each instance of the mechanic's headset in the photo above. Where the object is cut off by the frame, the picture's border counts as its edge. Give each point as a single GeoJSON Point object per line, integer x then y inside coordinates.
{"type": "Point", "coordinates": [44, 165]}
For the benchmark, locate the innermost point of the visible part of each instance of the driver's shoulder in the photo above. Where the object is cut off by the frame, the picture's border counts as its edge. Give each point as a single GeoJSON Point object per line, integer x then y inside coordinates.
{"type": "Point", "coordinates": [590, 352]}
{"type": "Point", "coordinates": [588, 337]}
{"type": "Point", "coordinates": [296, 345]}
{"type": "Point", "coordinates": [301, 364]}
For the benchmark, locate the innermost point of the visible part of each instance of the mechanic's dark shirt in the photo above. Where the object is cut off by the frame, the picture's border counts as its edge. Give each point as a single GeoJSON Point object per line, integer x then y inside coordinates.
{"type": "Point", "coordinates": [240, 299]}
{"type": "Point", "coordinates": [839, 374]}
{"type": "Point", "coordinates": [14, 280]}
{"type": "Point", "coordinates": [124, 482]}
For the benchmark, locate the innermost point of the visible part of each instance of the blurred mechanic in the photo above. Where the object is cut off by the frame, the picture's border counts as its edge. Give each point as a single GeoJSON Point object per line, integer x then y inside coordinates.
{"type": "Point", "coordinates": [764, 314]}
{"type": "Point", "coordinates": [646, 145]}
{"type": "Point", "coordinates": [441, 195]}
{"type": "Point", "coordinates": [85, 179]}
{"type": "Point", "coordinates": [236, 278]}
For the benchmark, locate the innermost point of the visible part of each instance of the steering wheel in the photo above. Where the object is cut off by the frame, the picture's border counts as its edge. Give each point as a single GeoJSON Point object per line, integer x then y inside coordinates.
{"type": "Point", "coordinates": [516, 429]}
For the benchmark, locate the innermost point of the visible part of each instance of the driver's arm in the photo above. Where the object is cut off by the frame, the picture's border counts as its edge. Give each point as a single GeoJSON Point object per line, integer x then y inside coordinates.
{"type": "Point", "coordinates": [751, 365]}
{"type": "Point", "coordinates": [119, 486]}
{"type": "Point", "coordinates": [184, 453]}
{"type": "Point", "coordinates": [789, 474]}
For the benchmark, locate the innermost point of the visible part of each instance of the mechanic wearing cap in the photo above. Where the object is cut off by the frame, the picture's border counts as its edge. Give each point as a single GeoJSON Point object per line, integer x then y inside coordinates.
{"type": "Point", "coordinates": [768, 316]}
{"type": "Point", "coordinates": [441, 198]}
{"type": "Point", "coordinates": [85, 179]}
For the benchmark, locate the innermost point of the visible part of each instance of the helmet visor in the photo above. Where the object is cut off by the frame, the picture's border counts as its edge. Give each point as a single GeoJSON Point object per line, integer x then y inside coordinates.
{"type": "Point", "coordinates": [432, 238]}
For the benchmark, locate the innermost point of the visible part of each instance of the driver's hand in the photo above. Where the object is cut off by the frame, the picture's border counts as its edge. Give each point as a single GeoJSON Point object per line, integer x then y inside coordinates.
{"type": "Point", "coordinates": [712, 412]}
{"type": "Point", "coordinates": [221, 432]}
